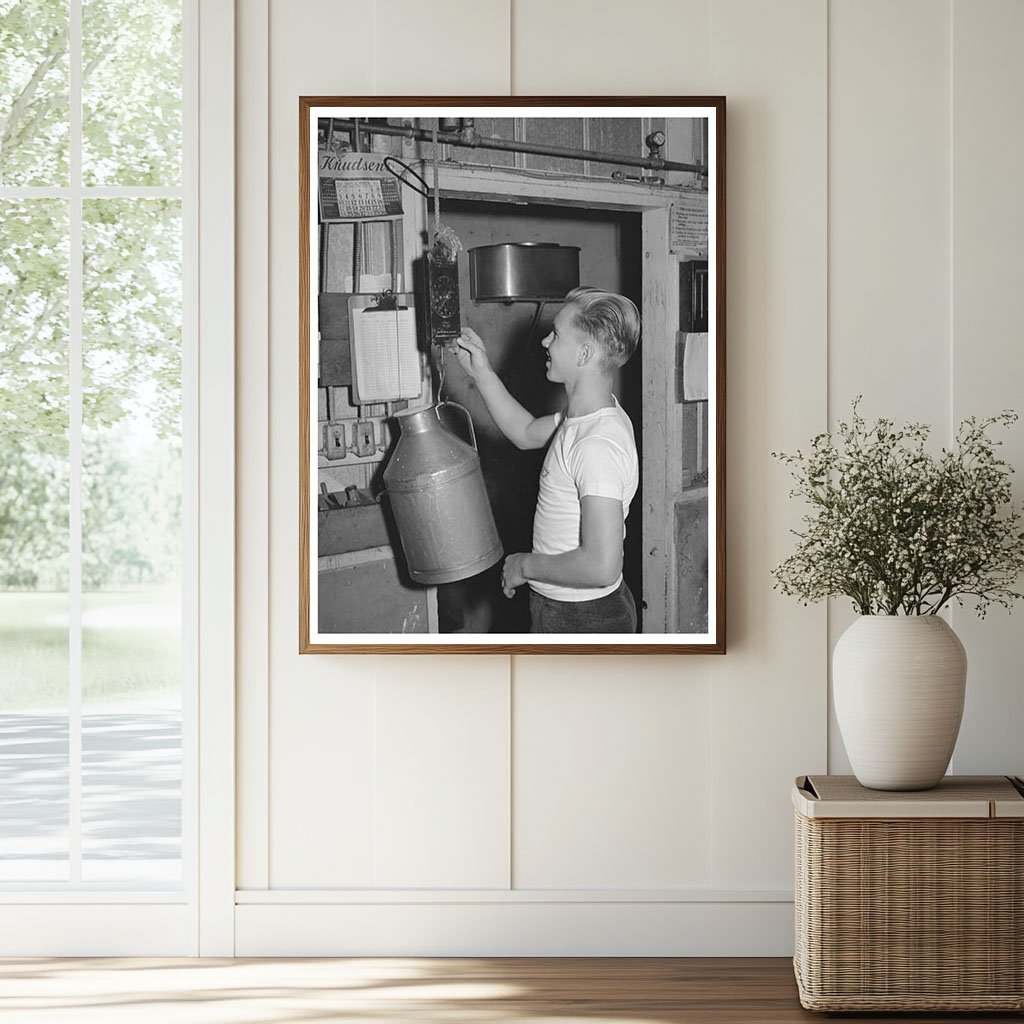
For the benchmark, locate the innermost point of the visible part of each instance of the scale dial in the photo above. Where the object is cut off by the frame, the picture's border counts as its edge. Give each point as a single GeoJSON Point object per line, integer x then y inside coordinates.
{"type": "Point", "coordinates": [444, 299]}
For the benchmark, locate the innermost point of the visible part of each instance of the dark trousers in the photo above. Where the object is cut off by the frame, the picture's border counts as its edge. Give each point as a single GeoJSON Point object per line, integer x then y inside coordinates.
{"type": "Point", "coordinates": [614, 613]}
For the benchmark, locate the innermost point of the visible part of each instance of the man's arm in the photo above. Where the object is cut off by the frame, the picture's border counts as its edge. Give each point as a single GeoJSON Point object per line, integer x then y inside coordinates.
{"type": "Point", "coordinates": [597, 562]}
{"type": "Point", "coordinates": [519, 425]}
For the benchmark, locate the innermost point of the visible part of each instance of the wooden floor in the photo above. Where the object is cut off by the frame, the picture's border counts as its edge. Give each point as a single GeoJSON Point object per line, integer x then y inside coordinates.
{"type": "Point", "coordinates": [382, 991]}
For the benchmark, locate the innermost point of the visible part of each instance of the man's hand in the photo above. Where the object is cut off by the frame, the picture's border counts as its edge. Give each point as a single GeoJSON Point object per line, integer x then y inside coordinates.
{"type": "Point", "coordinates": [597, 562]}
{"type": "Point", "coordinates": [512, 574]}
{"type": "Point", "coordinates": [519, 425]}
{"type": "Point", "coordinates": [471, 354]}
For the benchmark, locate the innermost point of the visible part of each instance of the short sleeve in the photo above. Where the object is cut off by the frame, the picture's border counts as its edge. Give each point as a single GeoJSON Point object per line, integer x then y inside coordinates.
{"type": "Point", "coordinates": [601, 469]}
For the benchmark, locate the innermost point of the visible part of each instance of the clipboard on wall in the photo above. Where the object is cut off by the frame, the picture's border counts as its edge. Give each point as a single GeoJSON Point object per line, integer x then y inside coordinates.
{"type": "Point", "coordinates": [385, 355]}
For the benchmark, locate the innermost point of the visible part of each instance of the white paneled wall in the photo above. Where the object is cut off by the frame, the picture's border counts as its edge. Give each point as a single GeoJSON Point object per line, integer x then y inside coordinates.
{"type": "Point", "coordinates": [333, 816]}
{"type": "Point", "coordinates": [619, 759]}
{"type": "Point", "coordinates": [573, 48]}
{"type": "Point", "coordinates": [768, 693]}
{"type": "Point", "coordinates": [441, 48]}
{"type": "Point", "coordinates": [888, 330]}
{"type": "Point", "coordinates": [618, 805]}
{"type": "Point", "coordinates": [323, 781]}
{"type": "Point", "coordinates": [888, 179]}
{"type": "Point", "coordinates": [442, 776]}
{"type": "Point", "coordinates": [987, 365]}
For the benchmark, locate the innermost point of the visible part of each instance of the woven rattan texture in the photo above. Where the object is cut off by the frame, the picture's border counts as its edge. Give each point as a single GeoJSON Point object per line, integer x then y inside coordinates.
{"type": "Point", "coordinates": [959, 787]}
{"type": "Point", "coordinates": [914, 914]}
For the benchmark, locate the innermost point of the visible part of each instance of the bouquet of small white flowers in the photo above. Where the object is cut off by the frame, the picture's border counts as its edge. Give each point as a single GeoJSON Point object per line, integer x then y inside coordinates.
{"type": "Point", "coordinates": [900, 530]}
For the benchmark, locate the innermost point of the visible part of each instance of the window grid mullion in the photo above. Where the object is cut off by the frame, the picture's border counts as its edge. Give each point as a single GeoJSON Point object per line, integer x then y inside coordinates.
{"type": "Point", "coordinates": [93, 191]}
{"type": "Point", "coordinates": [75, 336]}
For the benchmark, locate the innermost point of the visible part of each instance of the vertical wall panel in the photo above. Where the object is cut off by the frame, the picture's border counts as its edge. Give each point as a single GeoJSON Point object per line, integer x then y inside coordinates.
{"type": "Point", "coordinates": [457, 48]}
{"type": "Point", "coordinates": [326, 728]}
{"type": "Point", "coordinates": [611, 777]}
{"type": "Point", "coordinates": [445, 47]}
{"type": "Point", "coordinates": [888, 224]}
{"type": "Point", "coordinates": [577, 48]}
{"type": "Point", "coordinates": [987, 365]}
{"type": "Point", "coordinates": [443, 777]}
{"type": "Point", "coordinates": [611, 756]}
{"type": "Point", "coordinates": [769, 691]}
{"type": "Point", "coordinates": [320, 709]}
{"type": "Point", "coordinates": [889, 209]}
{"type": "Point", "coordinates": [323, 775]}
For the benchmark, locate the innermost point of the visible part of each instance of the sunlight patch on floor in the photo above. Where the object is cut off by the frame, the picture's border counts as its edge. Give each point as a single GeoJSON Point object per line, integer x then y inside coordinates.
{"type": "Point", "coordinates": [301, 991]}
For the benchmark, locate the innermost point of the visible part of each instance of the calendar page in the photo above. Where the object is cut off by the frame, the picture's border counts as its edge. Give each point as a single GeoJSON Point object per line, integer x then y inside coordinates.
{"type": "Point", "coordinates": [348, 199]}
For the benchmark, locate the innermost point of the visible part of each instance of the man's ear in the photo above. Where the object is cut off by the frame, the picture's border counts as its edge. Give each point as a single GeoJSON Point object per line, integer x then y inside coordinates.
{"type": "Point", "coordinates": [585, 353]}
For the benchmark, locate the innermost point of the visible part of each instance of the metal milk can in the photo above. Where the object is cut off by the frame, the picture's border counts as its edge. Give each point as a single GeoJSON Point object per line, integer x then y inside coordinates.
{"type": "Point", "coordinates": [436, 489]}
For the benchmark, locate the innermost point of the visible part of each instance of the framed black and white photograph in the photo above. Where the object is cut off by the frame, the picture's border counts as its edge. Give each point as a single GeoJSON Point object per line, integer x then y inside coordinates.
{"type": "Point", "coordinates": [512, 375]}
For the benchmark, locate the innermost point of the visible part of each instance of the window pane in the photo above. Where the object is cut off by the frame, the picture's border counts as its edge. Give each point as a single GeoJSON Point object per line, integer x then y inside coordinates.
{"type": "Point", "coordinates": [131, 738]}
{"type": "Point", "coordinates": [34, 494]}
{"type": "Point", "coordinates": [34, 806]}
{"type": "Point", "coordinates": [131, 541]}
{"type": "Point", "coordinates": [131, 92]}
{"type": "Point", "coordinates": [33, 92]}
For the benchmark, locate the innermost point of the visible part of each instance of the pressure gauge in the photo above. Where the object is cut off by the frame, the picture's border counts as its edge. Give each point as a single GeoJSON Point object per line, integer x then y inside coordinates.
{"type": "Point", "coordinates": [654, 143]}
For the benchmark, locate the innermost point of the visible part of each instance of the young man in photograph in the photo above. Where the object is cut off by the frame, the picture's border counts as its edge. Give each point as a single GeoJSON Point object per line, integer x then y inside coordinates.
{"type": "Point", "coordinates": [590, 471]}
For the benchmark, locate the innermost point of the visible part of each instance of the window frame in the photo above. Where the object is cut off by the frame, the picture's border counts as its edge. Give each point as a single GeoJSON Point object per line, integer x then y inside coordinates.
{"type": "Point", "coordinates": [69, 918]}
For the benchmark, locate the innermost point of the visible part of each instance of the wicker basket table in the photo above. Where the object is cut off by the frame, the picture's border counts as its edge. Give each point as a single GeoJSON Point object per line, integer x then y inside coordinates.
{"type": "Point", "coordinates": [910, 901]}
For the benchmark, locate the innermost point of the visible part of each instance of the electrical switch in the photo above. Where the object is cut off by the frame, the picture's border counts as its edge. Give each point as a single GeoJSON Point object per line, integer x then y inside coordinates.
{"type": "Point", "coordinates": [365, 442]}
{"type": "Point", "coordinates": [336, 447]}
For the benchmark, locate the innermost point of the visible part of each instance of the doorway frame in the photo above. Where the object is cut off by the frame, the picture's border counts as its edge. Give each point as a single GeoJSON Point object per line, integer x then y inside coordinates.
{"type": "Point", "coordinates": [662, 415]}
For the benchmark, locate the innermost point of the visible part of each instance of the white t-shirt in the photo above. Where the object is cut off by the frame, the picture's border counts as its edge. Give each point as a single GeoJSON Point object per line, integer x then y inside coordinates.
{"type": "Point", "coordinates": [589, 456]}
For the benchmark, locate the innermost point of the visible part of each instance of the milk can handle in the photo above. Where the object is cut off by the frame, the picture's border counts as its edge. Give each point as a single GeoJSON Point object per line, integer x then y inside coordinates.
{"type": "Point", "coordinates": [468, 418]}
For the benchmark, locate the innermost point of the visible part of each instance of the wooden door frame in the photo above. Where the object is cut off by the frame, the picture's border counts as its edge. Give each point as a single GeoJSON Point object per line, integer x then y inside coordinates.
{"type": "Point", "coordinates": [662, 419]}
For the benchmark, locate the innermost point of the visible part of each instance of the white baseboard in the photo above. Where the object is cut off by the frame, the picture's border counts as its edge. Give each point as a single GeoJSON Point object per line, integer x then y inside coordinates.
{"type": "Point", "coordinates": [96, 929]}
{"type": "Point", "coordinates": [520, 928]}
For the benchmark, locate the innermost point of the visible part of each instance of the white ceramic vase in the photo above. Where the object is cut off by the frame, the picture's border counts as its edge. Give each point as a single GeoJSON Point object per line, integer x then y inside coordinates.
{"type": "Point", "coordinates": [898, 684]}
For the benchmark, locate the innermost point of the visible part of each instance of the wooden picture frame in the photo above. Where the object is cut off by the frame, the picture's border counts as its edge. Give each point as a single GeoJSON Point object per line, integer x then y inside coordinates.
{"type": "Point", "coordinates": [636, 185]}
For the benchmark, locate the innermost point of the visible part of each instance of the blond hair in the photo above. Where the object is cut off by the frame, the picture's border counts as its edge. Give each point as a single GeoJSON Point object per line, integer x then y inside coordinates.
{"type": "Point", "coordinates": [612, 320]}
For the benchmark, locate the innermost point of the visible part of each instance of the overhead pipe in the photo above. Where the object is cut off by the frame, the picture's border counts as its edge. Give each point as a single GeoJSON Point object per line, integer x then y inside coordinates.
{"type": "Point", "coordinates": [468, 138]}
